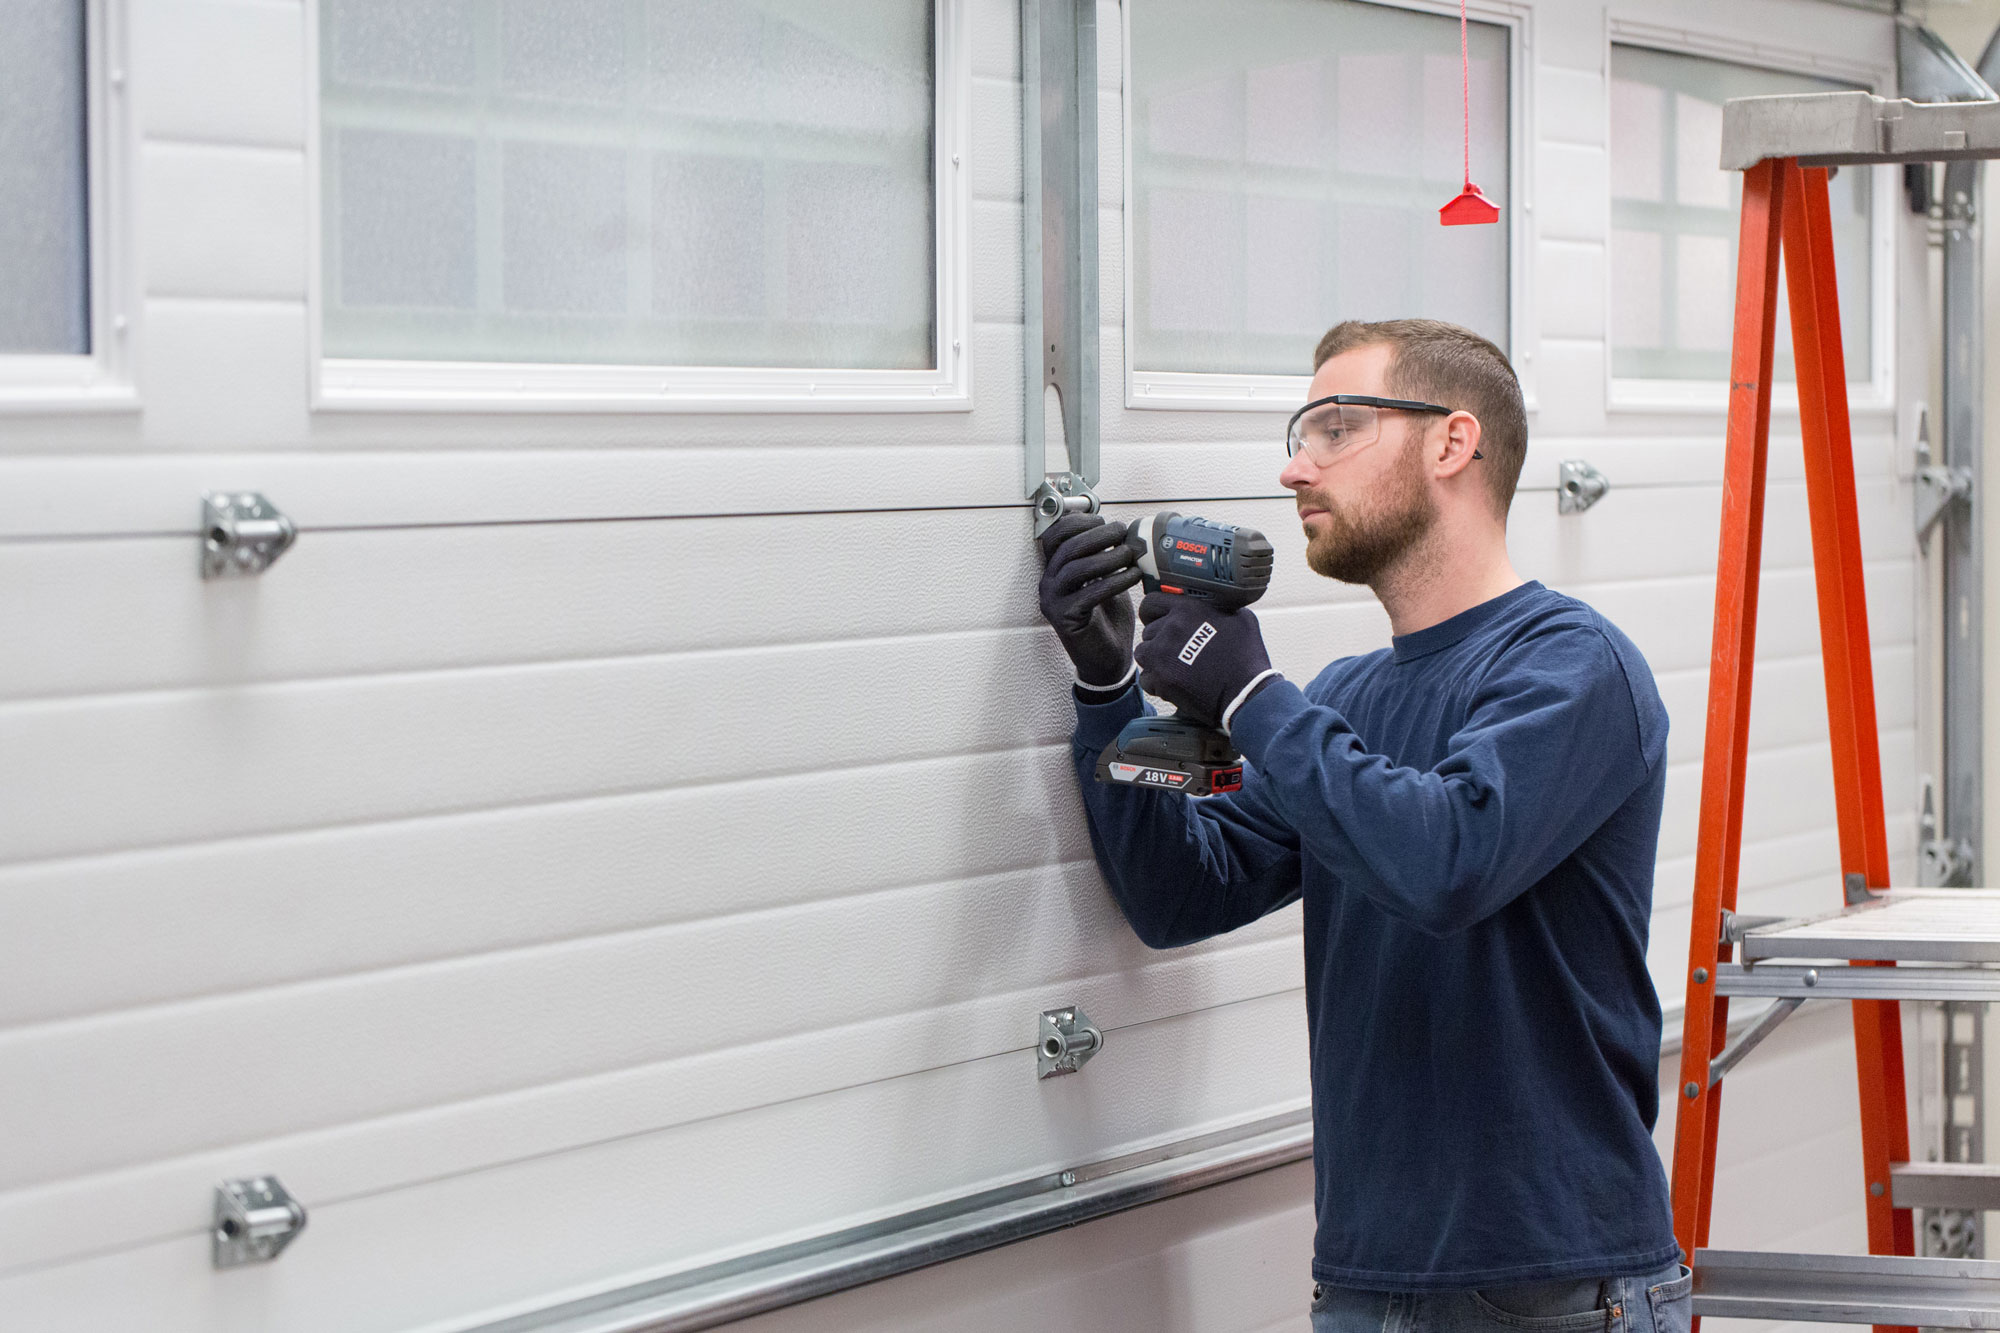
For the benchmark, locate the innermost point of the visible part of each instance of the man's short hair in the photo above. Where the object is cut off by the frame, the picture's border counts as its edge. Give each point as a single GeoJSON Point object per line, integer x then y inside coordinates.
{"type": "Point", "coordinates": [1453, 367]}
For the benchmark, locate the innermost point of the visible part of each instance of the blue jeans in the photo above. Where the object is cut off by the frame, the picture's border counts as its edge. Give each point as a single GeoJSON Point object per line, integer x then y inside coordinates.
{"type": "Point", "coordinates": [1660, 1302]}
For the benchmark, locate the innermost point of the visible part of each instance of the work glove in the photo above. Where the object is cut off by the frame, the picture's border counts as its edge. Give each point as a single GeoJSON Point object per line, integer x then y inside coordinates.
{"type": "Point", "coordinates": [1086, 573]}
{"type": "Point", "coordinates": [1204, 661]}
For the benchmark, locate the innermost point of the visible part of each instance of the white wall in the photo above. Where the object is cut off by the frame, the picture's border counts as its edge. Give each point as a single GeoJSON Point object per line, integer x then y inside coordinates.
{"type": "Point", "coordinates": [554, 903]}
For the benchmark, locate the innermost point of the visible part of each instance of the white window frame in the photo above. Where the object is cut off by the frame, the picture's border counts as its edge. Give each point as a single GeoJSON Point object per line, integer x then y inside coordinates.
{"type": "Point", "coordinates": [340, 384]}
{"type": "Point", "coordinates": [1878, 392]}
{"type": "Point", "coordinates": [1182, 391]}
{"type": "Point", "coordinates": [100, 379]}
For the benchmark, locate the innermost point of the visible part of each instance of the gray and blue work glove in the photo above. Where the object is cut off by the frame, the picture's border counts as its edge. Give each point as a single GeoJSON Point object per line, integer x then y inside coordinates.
{"type": "Point", "coordinates": [1087, 571]}
{"type": "Point", "coordinates": [1204, 661]}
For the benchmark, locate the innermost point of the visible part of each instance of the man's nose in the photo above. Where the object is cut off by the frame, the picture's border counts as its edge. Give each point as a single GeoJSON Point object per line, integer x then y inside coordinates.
{"type": "Point", "coordinates": [1299, 471]}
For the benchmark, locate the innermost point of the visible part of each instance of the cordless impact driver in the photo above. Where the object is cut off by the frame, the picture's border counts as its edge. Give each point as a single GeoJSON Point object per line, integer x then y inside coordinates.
{"type": "Point", "coordinates": [1228, 567]}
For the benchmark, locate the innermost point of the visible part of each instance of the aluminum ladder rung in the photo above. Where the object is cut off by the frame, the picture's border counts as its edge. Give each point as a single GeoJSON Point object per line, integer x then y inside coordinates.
{"type": "Point", "coordinates": [1900, 925]}
{"type": "Point", "coordinates": [1785, 981]}
{"type": "Point", "coordinates": [1848, 1288]}
{"type": "Point", "coordinates": [1973, 1185]}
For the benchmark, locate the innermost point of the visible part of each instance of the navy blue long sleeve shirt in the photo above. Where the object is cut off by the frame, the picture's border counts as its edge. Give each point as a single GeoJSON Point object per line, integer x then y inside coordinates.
{"type": "Point", "coordinates": [1471, 817]}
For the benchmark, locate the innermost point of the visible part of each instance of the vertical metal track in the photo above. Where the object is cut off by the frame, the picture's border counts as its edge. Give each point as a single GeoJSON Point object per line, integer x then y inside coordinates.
{"type": "Point", "coordinates": [1958, 540]}
{"type": "Point", "coordinates": [1059, 237]}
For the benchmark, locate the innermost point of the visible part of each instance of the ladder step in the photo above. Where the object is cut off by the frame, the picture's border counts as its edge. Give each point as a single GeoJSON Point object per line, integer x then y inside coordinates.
{"type": "Point", "coordinates": [1848, 1288]}
{"type": "Point", "coordinates": [1972, 1185]}
{"type": "Point", "coordinates": [1903, 925]}
{"type": "Point", "coordinates": [1836, 981]}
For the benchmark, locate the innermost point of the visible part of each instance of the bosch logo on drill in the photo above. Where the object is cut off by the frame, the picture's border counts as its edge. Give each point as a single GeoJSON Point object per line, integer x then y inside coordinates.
{"type": "Point", "coordinates": [1196, 642]}
{"type": "Point", "coordinates": [1195, 548]}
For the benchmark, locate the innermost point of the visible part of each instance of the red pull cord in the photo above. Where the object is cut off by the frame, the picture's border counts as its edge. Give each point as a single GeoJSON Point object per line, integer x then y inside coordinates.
{"type": "Point", "coordinates": [1471, 206]}
{"type": "Point", "coordinates": [1465, 87]}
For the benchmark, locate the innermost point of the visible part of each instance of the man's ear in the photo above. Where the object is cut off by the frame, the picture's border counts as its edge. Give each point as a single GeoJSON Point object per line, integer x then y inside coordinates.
{"type": "Point", "coordinates": [1456, 444]}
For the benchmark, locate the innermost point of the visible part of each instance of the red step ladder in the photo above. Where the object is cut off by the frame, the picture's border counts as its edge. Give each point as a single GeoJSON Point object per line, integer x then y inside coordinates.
{"type": "Point", "coordinates": [1785, 214]}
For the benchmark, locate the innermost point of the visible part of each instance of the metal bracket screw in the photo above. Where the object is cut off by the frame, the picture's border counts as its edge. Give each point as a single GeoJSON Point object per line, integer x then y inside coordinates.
{"type": "Point", "coordinates": [1579, 486]}
{"type": "Point", "coordinates": [242, 534]}
{"type": "Point", "coordinates": [1066, 1042]}
{"type": "Point", "coordinates": [255, 1219]}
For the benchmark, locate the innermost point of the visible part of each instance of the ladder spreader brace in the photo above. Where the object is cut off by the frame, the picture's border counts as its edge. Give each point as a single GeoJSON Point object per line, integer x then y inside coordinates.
{"type": "Point", "coordinates": [1783, 146]}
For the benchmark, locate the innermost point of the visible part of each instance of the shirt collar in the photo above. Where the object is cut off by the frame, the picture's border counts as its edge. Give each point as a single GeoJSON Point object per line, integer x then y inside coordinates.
{"type": "Point", "coordinates": [1445, 633]}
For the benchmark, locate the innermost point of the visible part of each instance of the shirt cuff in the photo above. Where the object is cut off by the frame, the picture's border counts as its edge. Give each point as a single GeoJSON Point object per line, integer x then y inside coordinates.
{"type": "Point", "coordinates": [1099, 718]}
{"type": "Point", "coordinates": [1263, 715]}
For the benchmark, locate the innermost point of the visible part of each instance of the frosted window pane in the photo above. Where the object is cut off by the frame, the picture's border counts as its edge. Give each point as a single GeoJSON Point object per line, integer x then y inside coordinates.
{"type": "Point", "coordinates": [1289, 158]}
{"type": "Point", "coordinates": [399, 43]}
{"type": "Point", "coordinates": [1674, 220]}
{"type": "Point", "coordinates": [562, 228]}
{"type": "Point", "coordinates": [1637, 127]}
{"type": "Point", "coordinates": [404, 208]}
{"type": "Point", "coordinates": [44, 199]}
{"type": "Point", "coordinates": [1698, 179]}
{"type": "Point", "coordinates": [1635, 297]}
{"type": "Point", "coordinates": [572, 49]}
{"type": "Point", "coordinates": [672, 182]}
{"type": "Point", "coordinates": [1704, 295]}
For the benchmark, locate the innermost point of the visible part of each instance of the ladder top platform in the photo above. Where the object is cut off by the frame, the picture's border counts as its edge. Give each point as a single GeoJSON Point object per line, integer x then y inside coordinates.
{"type": "Point", "coordinates": [1852, 128]}
{"type": "Point", "coordinates": [1903, 925]}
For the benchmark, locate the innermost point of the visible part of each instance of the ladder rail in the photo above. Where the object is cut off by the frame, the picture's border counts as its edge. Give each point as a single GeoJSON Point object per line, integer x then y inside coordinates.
{"type": "Point", "coordinates": [1849, 668]}
{"type": "Point", "coordinates": [1786, 220]}
{"type": "Point", "coordinates": [1732, 654]}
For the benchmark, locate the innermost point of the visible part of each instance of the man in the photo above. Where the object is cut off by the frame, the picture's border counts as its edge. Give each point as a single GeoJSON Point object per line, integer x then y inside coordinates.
{"type": "Point", "coordinates": [1471, 817]}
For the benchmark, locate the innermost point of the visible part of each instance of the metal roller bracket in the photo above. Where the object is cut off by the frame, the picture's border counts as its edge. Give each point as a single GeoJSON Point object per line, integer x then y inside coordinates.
{"type": "Point", "coordinates": [242, 534]}
{"type": "Point", "coordinates": [1065, 1042]}
{"type": "Point", "coordinates": [255, 1219]}
{"type": "Point", "coordinates": [1059, 249]}
{"type": "Point", "coordinates": [1579, 486]}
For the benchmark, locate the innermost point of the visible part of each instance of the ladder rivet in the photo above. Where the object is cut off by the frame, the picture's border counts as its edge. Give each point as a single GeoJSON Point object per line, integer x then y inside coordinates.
{"type": "Point", "coordinates": [1701, 976]}
{"type": "Point", "coordinates": [1875, 1188]}
{"type": "Point", "coordinates": [1693, 1090]}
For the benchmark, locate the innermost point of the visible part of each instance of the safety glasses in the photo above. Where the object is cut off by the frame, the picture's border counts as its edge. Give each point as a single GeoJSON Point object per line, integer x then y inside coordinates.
{"type": "Point", "coordinates": [1325, 426]}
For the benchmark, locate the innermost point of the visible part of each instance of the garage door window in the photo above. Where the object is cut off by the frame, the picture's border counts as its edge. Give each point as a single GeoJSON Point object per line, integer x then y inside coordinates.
{"type": "Point", "coordinates": [658, 183]}
{"type": "Point", "coordinates": [44, 181]}
{"type": "Point", "coordinates": [1674, 220]}
{"type": "Point", "coordinates": [1288, 158]}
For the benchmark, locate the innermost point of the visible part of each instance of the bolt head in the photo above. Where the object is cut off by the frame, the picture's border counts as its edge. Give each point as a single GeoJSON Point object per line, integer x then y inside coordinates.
{"type": "Point", "coordinates": [1692, 1090]}
{"type": "Point", "coordinates": [1701, 976]}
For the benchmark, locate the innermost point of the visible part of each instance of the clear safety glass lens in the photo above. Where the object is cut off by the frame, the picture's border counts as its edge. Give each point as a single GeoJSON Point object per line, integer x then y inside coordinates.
{"type": "Point", "coordinates": [1324, 431]}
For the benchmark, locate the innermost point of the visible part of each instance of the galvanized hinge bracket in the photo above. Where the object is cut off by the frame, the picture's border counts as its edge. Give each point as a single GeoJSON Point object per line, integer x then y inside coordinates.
{"type": "Point", "coordinates": [1066, 1040]}
{"type": "Point", "coordinates": [1579, 486]}
{"type": "Point", "coordinates": [1937, 488]}
{"type": "Point", "coordinates": [1945, 862]}
{"type": "Point", "coordinates": [255, 1219]}
{"type": "Point", "coordinates": [242, 534]}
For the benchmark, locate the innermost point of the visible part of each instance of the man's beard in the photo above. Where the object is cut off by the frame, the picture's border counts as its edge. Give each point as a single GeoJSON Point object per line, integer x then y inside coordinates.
{"type": "Point", "coordinates": [1359, 549]}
